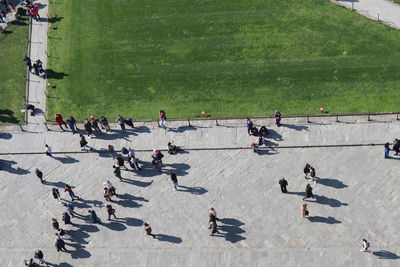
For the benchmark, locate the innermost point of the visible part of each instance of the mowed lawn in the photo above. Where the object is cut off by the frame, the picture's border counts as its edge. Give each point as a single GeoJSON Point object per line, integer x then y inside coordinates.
{"type": "Point", "coordinates": [13, 49]}
{"type": "Point", "coordinates": [228, 58]}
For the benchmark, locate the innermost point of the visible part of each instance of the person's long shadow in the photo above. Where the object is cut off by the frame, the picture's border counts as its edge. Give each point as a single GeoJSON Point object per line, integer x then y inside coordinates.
{"type": "Point", "coordinates": [5, 135]}
{"type": "Point", "coordinates": [331, 182]}
{"type": "Point", "coordinates": [84, 203]}
{"type": "Point", "coordinates": [387, 255]}
{"type": "Point", "coordinates": [128, 201]}
{"type": "Point", "coordinates": [182, 129]}
{"type": "Point", "coordinates": [196, 190]}
{"type": "Point", "coordinates": [54, 184]}
{"type": "Point", "coordinates": [114, 225]}
{"type": "Point", "coordinates": [177, 168]}
{"type": "Point", "coordinates": [53, 19]}
{"type": "Point", "coordinates": [295, 127]}
{"type": "Point", "coordinates": [274, 135]}
{"type": "Point", "coordinates": [51, 74]}
{"type": "Point", "coordinates": [232, 229]}
{"type": "Point", "coordinates": [137, 183]}
{"type": "Point", "coordinates": [131, 221]}
{"type": "Point", "coordinates": [66, 159]}
{"type": "Point", "coordinates": [328, 220]}
{"type": "Point", "coordinates": [266, 151]}
{"type": "Point", "coordinates": [168, 238]}
{"type": "Point", "coordinates": [142, 129]}
{"type": "Point", "coordinates": [115, 134]}
{"type": "Point", "coordinates": [61, 264]}
{"type": "Point", "coordinates": [7, 116]}
{"type": "Point", "coordinates": [79, 252]}
{"type": "Point", "coordinates": [329, 201]}
{"type": "Point", "coordinates": [6, 165]}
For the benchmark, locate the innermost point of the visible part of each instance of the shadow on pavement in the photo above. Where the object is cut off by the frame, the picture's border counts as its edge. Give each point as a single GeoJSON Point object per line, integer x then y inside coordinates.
{"type": "Point", "coordinates": [295, 127]}
{"type": "Point", "coordinates": [232, 228]}
{"type": "Point", "coordinates": [384, 254]}
{"type": "Point", "coordinates": [331, 182]}
{"type": "Point", "coordinates": [5, 135]}
{"type": "Point", "coordinates": [66, 159]}
{"type": "Point", "coordinates": [328, 220]}
{"type": "Point", "coordinates": [329, 201]}
{"type": "Point", "coordinates": [137, 183]}
{"type": "Point", "coordinates": [196, 190]}
{"type": "Point", "coordinates": [168, 238]}
{"type": "Point", "coordinates": [115, 225]}
{"type": "Point", "coordinates": [6, 165]}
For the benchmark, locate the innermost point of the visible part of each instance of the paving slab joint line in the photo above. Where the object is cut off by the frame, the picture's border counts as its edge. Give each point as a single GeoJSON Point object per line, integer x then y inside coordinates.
{"type": "Point", "coordinates": [200, 149]}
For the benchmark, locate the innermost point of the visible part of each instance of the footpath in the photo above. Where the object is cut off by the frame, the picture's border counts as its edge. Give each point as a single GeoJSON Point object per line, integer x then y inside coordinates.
{"type": "Point", "coordinates": [382, 10]}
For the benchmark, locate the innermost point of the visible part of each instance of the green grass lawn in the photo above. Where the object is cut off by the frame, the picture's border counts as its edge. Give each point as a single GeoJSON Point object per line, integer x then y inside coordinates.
{"type": "Point", "coordinates": [13, 48]}
{"type": "Point", "coordinates": [228, 58]}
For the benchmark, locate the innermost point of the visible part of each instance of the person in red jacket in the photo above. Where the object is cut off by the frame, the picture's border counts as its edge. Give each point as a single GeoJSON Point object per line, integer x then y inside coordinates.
{"type": "Point", "coordinates": [34, 11]}
{"type": "Point", "coordinates": [59, 120]}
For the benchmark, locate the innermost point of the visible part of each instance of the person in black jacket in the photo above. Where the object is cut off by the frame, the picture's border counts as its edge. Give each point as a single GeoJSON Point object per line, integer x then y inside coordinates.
{"type": "Point", "coordinates": [283, 183]}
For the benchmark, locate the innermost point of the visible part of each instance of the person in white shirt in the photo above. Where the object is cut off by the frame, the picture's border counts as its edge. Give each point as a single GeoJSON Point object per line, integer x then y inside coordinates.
{"type": "Point", "coordinates": [48, 150]}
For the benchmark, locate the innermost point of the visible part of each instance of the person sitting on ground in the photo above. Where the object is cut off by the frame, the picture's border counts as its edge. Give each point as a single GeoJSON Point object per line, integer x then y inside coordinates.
{"type": "Point", "coordinates": [110, 149]}
{"type": "Point", "coordinates": [254, 131]}
{"type": "Point", "coordinates": [104, 123]}
{"type": "Point", "coordinates": [30, 108]}
{"type": "Point", "coordinates": [260, 141]}
{"type": "Point", "coordinates": [263, 131]}
{"type": "Point", "coordinates": [129, 122]}
{"type": "Point", "coordinates": [94, 217]}
{"type": "Point", "coordinates": [172, 149]}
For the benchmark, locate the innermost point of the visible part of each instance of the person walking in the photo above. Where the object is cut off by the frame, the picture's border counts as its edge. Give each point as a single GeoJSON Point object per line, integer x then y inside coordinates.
{"type": "Point", "coordinates": [39, 255]}
{"type": "Point", "coordinates": [66, 218]}
{"type": "Point", "coordinates": [60, 244]}
{"type": "Point", "coordinates": [55, 223]}
{"type": "Point", "coordinates": [117, 172]}
{"type": "Point", "coordinates": [72, 124]}
{"type": "Point", "coordinates": [213, 212]}
{"type": "Point", "coordinates": [174, 180]}
{"type": "Point", "coordinates": [387, 149]}
{"type": "Point", "coordinates": [214, 227]}
{"type": "Point", "coordinates": [59, 120]}
{"type": "Point", "coordinates": [110, 211]}
{"type": "Point", "coordinates": [84, 144]}
{"type": "Point", "coordinates": [148, 229]}
{"type": "Point", "coordinates": [48, 150]}
{"type": "Point", "coordinates": [120, 162]}
{"type": "Point", "coordinates": [121, 121]}
{"type": "Point", "coordinates": [304, 211]}
{"type": "Point", "coordinates": [309, 192]}
{"type": "Point", "coordinates": [313, 175]}
{"type": "Point", "coordinates": [250, 126]}
{"type": "Point", "coordinates": [277, 116]}
{"type": "Point", "coordinates": [283, 183]}
{"type": "Point", "coordinates": [163, 119]}
{"type": "Point", "coordinates": [71, 193]}
{"type": "Point", "coordinates": [56, 194]}
{"type": "Point", "coordinates": [95, 124]}
{"type": "Point", "coordinates": [39, 174]}
{"type": "Point", "coordinates": [70, 208]}
{"type": "Point", "coordinates": [104, 123]}
{"type": "Point", "coordinates": [306, 170]}
{"type": "Point", "coordinates": [365, 246]}
{"type": "Point", "coordinates": [88, 128]}
{"type": "Point", "coordinates": [28, 63]}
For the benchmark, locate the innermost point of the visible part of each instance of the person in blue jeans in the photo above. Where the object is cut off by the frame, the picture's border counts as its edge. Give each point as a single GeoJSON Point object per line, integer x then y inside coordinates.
{"type": "Point", "coordinates": [387, 149]}
{"type": "Point", "coordinates": [72, 124]}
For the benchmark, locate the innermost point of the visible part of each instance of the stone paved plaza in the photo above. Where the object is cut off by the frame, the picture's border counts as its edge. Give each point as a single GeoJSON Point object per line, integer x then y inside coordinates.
{"type": "Point", "coordinates": [357, 196]}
